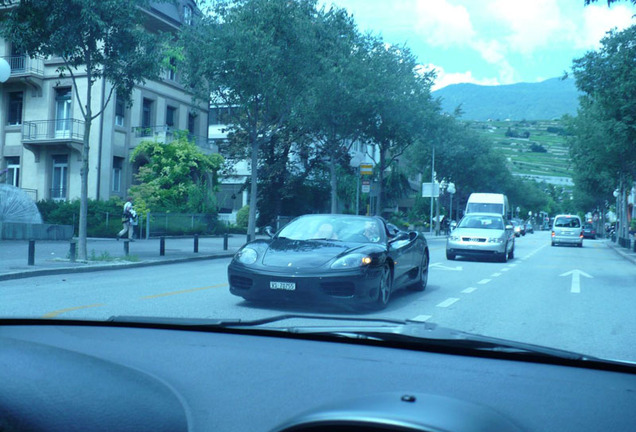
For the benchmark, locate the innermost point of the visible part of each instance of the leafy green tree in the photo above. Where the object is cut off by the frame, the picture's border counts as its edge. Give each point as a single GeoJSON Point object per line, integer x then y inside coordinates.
{"type": "Point", "coordinates": [95, 40]}
{"type": "Point", "coordinates": [175, 176]}
{"type": "Point", "coordinates": [333, 116]}
{"type": "Point", "coordinates": [605, 142]}
{"type": "Point", "coordinates": [398, 104]}
{"type": "Point", "coordinates": [254, 56]}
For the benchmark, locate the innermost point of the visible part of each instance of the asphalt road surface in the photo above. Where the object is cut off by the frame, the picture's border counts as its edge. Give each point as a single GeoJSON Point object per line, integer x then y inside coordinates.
{"type": "Point", "coordinates": [579, 299]}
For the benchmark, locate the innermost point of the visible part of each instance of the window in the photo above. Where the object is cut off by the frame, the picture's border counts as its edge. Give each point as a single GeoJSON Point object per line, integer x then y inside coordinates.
{"type": "Point", "coordinates": [15, 108]}
{"type": "Point", "coordinates": [120, 110]}
{"type": "Point", "coordinates": [171, 73]}
{"type": "Point", "coordinates": [60, 174]}
{"type": "Point", "coordinates": [187, 15]}
{"type": "Point", "coordinates": [192, 122]}
{"type": "Point", "coordinates": [118, 163]}
{"type": "Point", "coordinates": [171, 115]}
{"type": "Point", "coordinates": [146, 115]}
{"type": "Point", "coordinates": [62, 112]}
{"type": "Point", "coordinates": [220, 115]}
{"type": "Point", "coordinates": [12, 175]}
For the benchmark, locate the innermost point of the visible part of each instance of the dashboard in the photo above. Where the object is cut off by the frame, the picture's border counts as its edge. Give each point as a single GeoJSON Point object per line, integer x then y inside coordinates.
{"type": "Point", "coordinates": [81, 376]}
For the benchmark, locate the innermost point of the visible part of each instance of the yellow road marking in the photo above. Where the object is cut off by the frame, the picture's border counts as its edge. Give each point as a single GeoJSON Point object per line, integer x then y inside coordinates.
{"type": "Point", "coordinates": [61, 311]}
{"type": "Point", "coordinates": [183, 291]}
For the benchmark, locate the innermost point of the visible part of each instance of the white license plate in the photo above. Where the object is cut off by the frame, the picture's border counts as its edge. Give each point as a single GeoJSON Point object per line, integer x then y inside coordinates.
{"type": "Point", "coordinates": [287, 286]}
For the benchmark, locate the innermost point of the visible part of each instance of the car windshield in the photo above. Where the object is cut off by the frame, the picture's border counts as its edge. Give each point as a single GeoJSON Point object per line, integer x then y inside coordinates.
{"type": "Point", "coordinates": [346, 228]}
{"type": "Point", "coordinates": [243, 159]}
{"type": "Point", "coordinates": [483, 222]}
{"type": "Point", "coordinates": [567, 222]}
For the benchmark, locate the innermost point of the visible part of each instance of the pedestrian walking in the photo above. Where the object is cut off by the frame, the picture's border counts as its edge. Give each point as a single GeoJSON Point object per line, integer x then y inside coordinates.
{"type": "Point", "coordinates": [127, 219]}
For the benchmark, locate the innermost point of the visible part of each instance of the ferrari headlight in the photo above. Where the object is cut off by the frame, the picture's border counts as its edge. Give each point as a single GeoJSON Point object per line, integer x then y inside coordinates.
{"type": "Point", "coordinates": [352, 261]}
{"type": "Point", "coordinates": [247, 256]}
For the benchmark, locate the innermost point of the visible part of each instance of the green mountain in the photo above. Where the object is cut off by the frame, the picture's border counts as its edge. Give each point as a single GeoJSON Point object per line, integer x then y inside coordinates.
{"type": "Point", "coordinates": [544, 100]}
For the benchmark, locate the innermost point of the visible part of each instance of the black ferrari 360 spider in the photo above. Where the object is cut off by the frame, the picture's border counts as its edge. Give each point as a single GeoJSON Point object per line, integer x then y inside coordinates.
{"type": "Point", "coordinates": [350, 260]}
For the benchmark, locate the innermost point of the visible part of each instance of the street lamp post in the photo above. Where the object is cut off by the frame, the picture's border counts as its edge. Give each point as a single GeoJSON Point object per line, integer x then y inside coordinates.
{"type": "Point", "coordinates": [451, 191]}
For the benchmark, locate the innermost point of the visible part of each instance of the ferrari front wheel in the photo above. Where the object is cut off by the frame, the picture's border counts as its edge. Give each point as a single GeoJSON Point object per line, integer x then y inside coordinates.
{"type": "Point", "coordinates": [384, 290]}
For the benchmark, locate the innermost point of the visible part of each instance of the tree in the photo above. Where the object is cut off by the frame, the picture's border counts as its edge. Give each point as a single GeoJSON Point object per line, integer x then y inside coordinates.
{"type": "Point", "coordinates": [398, 104]}
{"type": "Point", "coordinates": [96, 40]}
{"type": "Point", "coordinates": [175, 176]}
{"type": "Point", "coordinates": [333, 117]}
{"type": "Point", "coordinates": [254, 56]}
{"type": "Point", "coordinates": [606, 138]}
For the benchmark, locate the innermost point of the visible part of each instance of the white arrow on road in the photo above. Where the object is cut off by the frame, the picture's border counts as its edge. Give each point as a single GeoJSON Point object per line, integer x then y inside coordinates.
{"type": "Point", "coordinates": [576, 279]}
{"type": "Point", "coordinates": [443, 267]}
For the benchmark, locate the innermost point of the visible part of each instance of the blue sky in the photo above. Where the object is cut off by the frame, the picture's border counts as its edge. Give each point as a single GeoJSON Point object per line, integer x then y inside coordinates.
{"type": "Point", "coordinates": [491, 42]}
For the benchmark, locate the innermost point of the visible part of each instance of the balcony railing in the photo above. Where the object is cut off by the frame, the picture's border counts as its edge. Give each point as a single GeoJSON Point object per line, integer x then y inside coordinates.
{"type": "Point", "coordinates": [58, 194]}
{"type": "Point", "coordinates": [67, 129]}
{"type": "Point", "coordinates": [167, 134]}
{"type": "Point", "coordinates": [24, 65]}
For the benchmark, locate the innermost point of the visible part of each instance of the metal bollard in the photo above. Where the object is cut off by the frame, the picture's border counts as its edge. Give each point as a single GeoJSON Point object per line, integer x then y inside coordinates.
{"type": "Point", "coordinates": [31, 258]}
{"type": "Point", "coordinates": [126, 247]}
{"type": "Point", "coordinates": [162, 246]}
{"type": "Point", "coordinates": [196, 243]}
{"type": "Point", "coordinates": [73, 250]}
{"type": "Point", "coordinates": [225, 241]}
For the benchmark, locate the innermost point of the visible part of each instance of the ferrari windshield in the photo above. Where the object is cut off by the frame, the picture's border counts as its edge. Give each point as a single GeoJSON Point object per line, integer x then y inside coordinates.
{"type": "Point", "coordinates": [335, 227]}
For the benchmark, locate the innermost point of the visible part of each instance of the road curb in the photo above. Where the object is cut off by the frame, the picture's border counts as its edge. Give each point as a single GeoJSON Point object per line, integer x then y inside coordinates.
{"type": "Point", "coordinates": [119, 266]}
{"type": "Point", "coordinates": [622, 252]}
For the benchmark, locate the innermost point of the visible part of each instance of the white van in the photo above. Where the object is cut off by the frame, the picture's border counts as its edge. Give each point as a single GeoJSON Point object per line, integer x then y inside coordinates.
{"type": "Point", "coordinates": [488, 203]}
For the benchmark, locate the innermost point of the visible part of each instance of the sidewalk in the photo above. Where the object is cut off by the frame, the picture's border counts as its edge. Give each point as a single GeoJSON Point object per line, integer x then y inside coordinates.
{"type": "Point", "coordinates": [53, 257]}
{"type": "Point", "coordinates": [627, 253]}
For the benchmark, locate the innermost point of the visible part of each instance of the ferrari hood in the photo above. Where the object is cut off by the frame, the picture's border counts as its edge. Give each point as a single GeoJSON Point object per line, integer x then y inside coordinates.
{"type": "Point", "coordinates": [302, 253]}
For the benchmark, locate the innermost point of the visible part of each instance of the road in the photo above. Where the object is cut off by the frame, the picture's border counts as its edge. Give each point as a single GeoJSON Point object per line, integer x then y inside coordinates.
{"type": "Point", "coordinates": [579, 299]}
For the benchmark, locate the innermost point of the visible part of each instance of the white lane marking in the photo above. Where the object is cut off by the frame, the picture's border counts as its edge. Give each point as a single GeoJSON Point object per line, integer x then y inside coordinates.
{"type": "Point", "coordinates": [443, 267]}
{"type": "Point", "coordinates": [421, 318]}
{"type": "Point", "coordinates": [576, 279]}
{"type": "Point", "coordinates": [495, 275]}
{"type": "Point", "coordinates": [512, 265]}
{"type": "Point", "coordinates": [483, 281]}
{"type": "Point", "coordinates": [469, 290]}
{"type": "Point", "coordinates": [448, 302]}
{"type": "Point", "coordinates": [504, 269]}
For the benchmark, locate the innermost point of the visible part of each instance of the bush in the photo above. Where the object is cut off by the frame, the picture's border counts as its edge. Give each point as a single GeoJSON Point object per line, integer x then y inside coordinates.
{"type": "Point", "coordinates": [242, 217]}
{"type": "Point", "coordinates": [103, 218]}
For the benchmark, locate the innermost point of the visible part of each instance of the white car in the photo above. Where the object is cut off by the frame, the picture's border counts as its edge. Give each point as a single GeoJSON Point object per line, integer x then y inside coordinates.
{"type": "Point", "coordinates": [567, 229]}
{"type": "Point", "coordinates": [482, 234]}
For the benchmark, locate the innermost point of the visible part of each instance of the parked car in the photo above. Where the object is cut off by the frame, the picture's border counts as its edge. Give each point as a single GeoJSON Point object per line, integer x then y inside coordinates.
{"type": "Point", "coordinates": [482, 234]}
{"type": "Point", "coordinates": [516, 226]}
{"type": "Point", "coordinates": [567, 229]}
{"type": "Point", "coordinates": [589, 231]}
{"type": "Point", "coordinates": [529, 228]}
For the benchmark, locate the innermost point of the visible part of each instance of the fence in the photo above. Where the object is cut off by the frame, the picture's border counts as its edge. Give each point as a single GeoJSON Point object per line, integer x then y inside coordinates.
{"type": "Point", "coordinates": [162, 224]}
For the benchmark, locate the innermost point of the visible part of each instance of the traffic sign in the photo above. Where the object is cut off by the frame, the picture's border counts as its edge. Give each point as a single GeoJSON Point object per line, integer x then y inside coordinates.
{"type": "Point", "coordinates": [366, 186]}
{"type": "Point", "coordinates": [366, 169]}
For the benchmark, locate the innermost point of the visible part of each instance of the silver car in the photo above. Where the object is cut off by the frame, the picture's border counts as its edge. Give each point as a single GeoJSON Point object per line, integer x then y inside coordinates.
{"type": "Point", "coordinates": [567, 229]}
{"type": "Point", "coordinates": [482, 234]}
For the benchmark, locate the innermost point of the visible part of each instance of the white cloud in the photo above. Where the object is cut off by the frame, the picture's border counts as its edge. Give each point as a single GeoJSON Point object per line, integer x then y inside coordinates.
{"type": "Point", "coordinates": [597, 20]}
{"type": "Point", "coordinates": [443, 24]}
{"type": "Point", "coordinates": [444, 79]}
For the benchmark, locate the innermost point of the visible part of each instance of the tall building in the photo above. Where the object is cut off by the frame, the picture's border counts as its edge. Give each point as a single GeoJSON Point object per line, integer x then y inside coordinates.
{"type": "Point", "coordinates": [41, 126]}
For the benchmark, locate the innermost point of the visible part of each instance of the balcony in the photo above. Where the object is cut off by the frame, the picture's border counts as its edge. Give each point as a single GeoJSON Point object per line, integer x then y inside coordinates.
{"type": "Point", "coordinates": [167, 134]}
{"type": "Point", "coordinates": [23, 65]}
{"type": "Point", "coordinates": [26, 69]}
{"type": "Point", "coordinates": [47, 133]}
